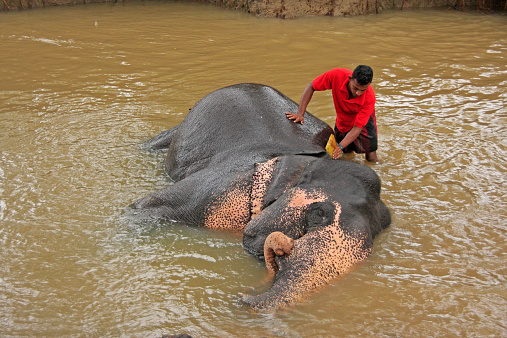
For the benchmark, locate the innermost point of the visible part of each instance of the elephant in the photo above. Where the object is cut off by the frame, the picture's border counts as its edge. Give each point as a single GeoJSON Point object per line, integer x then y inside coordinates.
{"type": "Point", "coordinates": [237, 163]}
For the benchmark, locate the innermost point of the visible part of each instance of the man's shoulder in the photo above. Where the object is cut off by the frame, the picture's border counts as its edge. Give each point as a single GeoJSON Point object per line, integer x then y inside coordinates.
{"type": "Point", "coordinates": [332, 79]}
{"type": "Point", "coordinates": [370, 91]}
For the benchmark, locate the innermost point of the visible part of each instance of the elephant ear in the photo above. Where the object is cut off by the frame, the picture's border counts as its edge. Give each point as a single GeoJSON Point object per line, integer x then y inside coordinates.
{"type": "Point", "coordinates": [273, 178]}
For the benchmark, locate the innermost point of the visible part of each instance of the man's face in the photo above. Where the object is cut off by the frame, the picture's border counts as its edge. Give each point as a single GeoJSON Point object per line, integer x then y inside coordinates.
{"type": "Point", "coordinates": [355, 89]}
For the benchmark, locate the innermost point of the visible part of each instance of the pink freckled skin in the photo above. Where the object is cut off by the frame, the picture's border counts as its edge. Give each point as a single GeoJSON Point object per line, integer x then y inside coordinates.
{"type": "Point", "coordinates": [302, 198]}
{"type": "Point", "coordinates": [241, 202]}
{"type": "Point", "coordinates": [261, 180]}
{"type": "Point", "coordinates": [335, 254]}
{"type": "Point", "coordinates": [230, 211]}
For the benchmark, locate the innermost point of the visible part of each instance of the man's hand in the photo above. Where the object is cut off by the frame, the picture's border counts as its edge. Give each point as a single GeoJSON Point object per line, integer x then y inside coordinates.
{"type": "Point", "coordinates": [337, 153]}
{"type": "Point", "coordinates": [295, 117]}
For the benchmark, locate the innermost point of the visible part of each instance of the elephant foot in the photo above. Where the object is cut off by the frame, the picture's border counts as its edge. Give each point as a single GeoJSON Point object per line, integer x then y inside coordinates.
{"type": "Point", "coordinates": [276, 244]}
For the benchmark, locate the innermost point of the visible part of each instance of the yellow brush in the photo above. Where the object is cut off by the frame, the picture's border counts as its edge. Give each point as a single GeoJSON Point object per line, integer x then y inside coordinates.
{"type": "Point", "coordinates": [331, 145]}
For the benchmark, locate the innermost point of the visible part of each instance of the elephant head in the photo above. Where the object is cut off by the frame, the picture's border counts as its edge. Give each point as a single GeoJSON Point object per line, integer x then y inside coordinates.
{"type": "Point", "coordinates": [317, 218]}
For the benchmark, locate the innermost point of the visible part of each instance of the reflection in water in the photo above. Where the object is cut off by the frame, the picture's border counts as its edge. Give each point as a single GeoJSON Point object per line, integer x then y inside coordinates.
{"type": "Point", "coordinates": [81, 87]}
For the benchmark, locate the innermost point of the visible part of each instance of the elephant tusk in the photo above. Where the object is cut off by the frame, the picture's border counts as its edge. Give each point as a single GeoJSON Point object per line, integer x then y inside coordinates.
{"type": "Point", "coordinates": [276, 244]}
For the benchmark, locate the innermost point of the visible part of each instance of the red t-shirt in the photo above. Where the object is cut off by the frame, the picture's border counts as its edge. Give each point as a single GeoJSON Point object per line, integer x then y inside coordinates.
{"type": "Point", "coordinates": [349, 113]}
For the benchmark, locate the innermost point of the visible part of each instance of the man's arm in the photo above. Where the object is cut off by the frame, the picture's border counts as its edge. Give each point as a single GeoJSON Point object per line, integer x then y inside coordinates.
{"type": "Point", "coordinates": [305, 100]}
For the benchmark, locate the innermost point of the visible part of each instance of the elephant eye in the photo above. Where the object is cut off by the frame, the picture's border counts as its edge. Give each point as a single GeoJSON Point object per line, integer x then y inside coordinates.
{"type": "Point", "coordinates": [319, 214]}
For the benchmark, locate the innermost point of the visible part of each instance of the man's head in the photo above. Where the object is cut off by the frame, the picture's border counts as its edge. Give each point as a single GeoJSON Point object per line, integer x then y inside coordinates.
{"type": "Point", "coordinates": [360, 80]}
{"type": "Point", "coordinates": [363, 75]}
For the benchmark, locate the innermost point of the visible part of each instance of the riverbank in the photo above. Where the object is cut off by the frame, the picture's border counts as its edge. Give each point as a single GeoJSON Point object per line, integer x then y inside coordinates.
{"type": "Point", "coordinates": [289, 9]}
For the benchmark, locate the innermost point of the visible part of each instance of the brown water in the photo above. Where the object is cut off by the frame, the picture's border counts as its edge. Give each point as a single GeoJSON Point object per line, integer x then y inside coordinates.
{"type": "Point", "coordinates": [81, 87]}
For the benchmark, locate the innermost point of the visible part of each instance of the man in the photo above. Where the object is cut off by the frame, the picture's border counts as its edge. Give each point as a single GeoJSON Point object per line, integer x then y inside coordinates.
{"type": "Point", "coordinates": [354, 102]}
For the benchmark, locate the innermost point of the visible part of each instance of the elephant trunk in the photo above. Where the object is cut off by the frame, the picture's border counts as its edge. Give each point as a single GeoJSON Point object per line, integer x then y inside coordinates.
{"type": "Point", "coordinates": [276, 244]}
{"type": "Point", "coordinates": [278, 296]}
{"type": "Point", "coordinates": [293, 271]}
{"type": "Point", "coordinates": [291, 284]}
{"type": "Point", "coordinates": [314, 259]}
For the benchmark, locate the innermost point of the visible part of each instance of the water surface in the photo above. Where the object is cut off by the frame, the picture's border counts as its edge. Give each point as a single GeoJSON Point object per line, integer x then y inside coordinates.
{"type": "Point", "coordinates": [81, 87]}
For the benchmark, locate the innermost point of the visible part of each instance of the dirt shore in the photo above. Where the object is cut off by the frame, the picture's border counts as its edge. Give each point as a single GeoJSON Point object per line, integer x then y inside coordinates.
{"type": "Point", "coordinates": [289, 9]}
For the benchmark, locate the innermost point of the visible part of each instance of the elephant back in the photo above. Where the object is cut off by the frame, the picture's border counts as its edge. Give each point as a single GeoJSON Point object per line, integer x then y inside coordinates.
{"type": "Point", "coordinates": [242, 124]}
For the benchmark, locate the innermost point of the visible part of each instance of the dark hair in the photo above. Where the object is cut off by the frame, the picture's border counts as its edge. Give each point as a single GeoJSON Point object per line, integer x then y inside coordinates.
{"type": "Point", "coordinates": [363, 74]}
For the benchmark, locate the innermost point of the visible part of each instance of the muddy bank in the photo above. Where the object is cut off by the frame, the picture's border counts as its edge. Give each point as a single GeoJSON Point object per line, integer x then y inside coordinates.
{"type": "Point", "coordinates": [289, 9]}
{"type": "Point", "coordinates": [10, 5]}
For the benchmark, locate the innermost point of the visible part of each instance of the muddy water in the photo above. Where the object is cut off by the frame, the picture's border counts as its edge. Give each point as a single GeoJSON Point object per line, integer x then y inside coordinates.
{"type": "Point", "coordinates": [81, 87]}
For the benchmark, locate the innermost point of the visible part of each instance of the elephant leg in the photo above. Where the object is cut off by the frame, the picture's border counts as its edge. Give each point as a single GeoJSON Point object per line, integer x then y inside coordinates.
{"type": "Point", "coordinates": [189, 201]}
{"type": "Point", "coordinates": [174, 202]}
{"type": "Point", "coordinates": [276, 244]}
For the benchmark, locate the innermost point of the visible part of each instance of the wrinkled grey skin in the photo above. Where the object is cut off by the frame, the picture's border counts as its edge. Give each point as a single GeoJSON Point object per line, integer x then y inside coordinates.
{"type": "Point", "coordinates": [238, 163]}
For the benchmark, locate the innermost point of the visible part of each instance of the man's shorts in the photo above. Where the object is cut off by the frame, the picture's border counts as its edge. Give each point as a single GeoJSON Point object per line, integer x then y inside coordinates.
{"type": "Point", "coordinates": [366, 142]}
